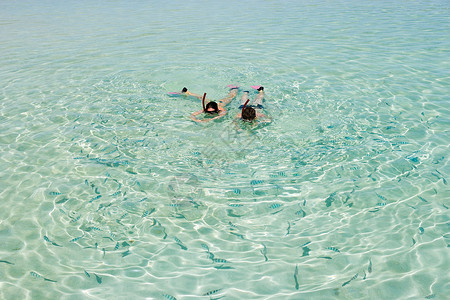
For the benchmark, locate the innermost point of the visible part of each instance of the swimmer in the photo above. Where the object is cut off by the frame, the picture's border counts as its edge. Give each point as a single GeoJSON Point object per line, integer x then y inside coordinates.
{"type": "Point", "coordinates": [252, 112]}
{"type": "Point", "coordinates": [215, 109]}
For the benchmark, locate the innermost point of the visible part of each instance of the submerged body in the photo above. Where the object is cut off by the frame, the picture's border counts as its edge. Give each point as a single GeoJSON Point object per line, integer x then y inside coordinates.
{"type": "Point", "coordinates": [215, 109]}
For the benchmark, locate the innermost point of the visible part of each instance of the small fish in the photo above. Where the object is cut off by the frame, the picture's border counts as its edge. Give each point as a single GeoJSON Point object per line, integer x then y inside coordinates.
{"type": "Point", "coordinates": [413, 242]}
{"type": "Point", "coordinates": [306, 251]}
{"type": "Point", "coordinates": [264, 252]}
{"type": "Point", "coordinates": [170, 297]}
{"type": "Point", "coordinates": [254, 182]}
{"type": "Point", "coordinates": [219, 260]}
{"type": "Point", "coordinates": [307, 243]}
{"type": "Point", "coordinates": [125, 244]}
{"type": "Point", "coordinates": [274, 213]}
{"type": "Point", "coordinates": [34, 274]}
{"type": "Point", "coordinates": [438, 177]}
{"type": "Point", "coordinates": [235, 205]}
{"type": "Point", "coordinates": [76, 239]}
{"type": "Point", "coordinates": [333, 249]}
{"type": "Point", "coordinates": [95, 198]}
{"type": "Point", "coordinates": [325, 257]}
{"type": "Point", "coordinates": [148, 212]}
{"type": "Point", "coordinates": [421, 230]}
{"type": "Point", "coordinates": [275, 205]}
{"type": "Point", "coordinates": [126, 253]}
{"type": "Point", "coordinates": [212, 292]}
{"type": "Point", "coordinates": [75, 219]}
{"type": "Point", "coordinates": [238, 235]}
{"type": "Point", "coordinates": [53, 243]}
{"type": "Point", "coordinates": [288, 229]}
{"type": "Point", "coordinates": [204, 246]}
{"type": "Point", "coordinates": [231, 214]}
{"type": "Point", "coordinates": [300, 212]}
{"type": "Point", "coordinates": [131, 171]}
{"type": "Point", "coordinates": [55, 193]}
{"type": "Point", "coordinates": [296, 277]}
{"type": "Point", "coordinates": [431, 296]}
{"type": "Point", "coordinates": [179, 243]}
{"type": "Point", "coordinates": [98, 278]}
{"type": "Point", "coordinates": [364, 278]}
{"type": "Point", "coordinates": [223, 267]}
{"type": "Point", "coordinates": [232, 225]}
{"type": "Point", "coordinates": [195, 204]}
{"type": "Point", "coordinates": [90, 228]}
{"type": "Point", "coordinates": [117, 246]}
{"type": "Point", "coordinates": [104, 252]}
{"type": "Point", "coordinates": [178, 216]}
{"type": "Point", "coordinates": [353, 278]}
{"type": "Point", "coordinates": [62, 200]}
{"type": "Point", "coordinates": [374, 210]}
{"type": "Point", "coordinates": [381, 197]}
{"type": "Point", "coordinates": [6, 262]}
{"type": "Point", "coordinates": [237, 191]}
{"type": "Point", "coordinates": [369, 269]}
{"type": "Point", "coordinates": [330, 199]}
{"type": "Point", "coordinates": [87, 274]}
{"type": "Point", "coordinates": [421, 198]}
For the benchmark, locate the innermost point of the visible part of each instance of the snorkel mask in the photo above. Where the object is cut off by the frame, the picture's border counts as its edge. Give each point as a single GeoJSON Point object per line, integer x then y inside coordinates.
{"type": "Point", "coordinates": [210, 108]}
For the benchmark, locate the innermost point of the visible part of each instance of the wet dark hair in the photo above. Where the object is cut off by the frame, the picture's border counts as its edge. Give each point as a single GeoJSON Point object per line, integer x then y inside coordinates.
{"type": "Point", "coordinates": [248, 114]}
{"type": "Point", "coordinates": [212, 105]}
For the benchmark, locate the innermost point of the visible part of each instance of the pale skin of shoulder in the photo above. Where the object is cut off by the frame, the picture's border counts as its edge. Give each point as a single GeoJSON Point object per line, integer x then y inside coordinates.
{"type": "Point", "coordinates": [222, 112]}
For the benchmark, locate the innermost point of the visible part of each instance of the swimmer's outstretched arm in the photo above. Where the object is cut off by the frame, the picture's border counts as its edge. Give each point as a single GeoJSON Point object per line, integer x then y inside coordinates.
{"type": "Point", "coordinates": [222, 113]}
{"type": "Point", "coordinates": [262, 118]}
{"type": "Point", "coordinates": [195, 114]}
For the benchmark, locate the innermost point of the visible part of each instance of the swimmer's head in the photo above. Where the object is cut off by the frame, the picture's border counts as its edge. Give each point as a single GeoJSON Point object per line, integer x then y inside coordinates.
{"type": "Point", "coordinates": [212, 108]}
{"type": "Point", "coordinates": [248, 114]}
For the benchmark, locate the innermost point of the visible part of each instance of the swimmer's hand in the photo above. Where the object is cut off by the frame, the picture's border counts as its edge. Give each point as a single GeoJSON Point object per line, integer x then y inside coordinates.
{"type": "Point", "coordinates": [222, 113]}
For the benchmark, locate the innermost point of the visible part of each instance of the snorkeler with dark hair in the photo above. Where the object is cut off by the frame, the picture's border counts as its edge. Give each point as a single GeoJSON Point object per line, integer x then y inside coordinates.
{"type": "Point", "coordinates": [215, 109]}
{"type": "Point", "coordinates": [252, 112]}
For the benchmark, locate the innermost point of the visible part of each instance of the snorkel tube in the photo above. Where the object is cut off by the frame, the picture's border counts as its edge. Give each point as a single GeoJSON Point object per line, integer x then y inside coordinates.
{"type": "Point", "coordinates": [203, 102]}
{"type": "Point", "coordinates": [243, 107]}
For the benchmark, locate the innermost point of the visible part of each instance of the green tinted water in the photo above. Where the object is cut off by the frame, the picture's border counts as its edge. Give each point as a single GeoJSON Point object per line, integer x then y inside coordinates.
{"type": "Point", "coordinates": [109, 190]}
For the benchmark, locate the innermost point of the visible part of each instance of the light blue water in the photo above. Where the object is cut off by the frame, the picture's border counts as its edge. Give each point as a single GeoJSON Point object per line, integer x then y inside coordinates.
{"type": "Point", "coordinates": [109, 191]}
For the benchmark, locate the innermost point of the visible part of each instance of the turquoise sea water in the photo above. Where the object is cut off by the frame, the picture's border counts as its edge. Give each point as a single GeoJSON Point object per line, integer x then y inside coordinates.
{"type": "Point", "coordinates": [109, 191]}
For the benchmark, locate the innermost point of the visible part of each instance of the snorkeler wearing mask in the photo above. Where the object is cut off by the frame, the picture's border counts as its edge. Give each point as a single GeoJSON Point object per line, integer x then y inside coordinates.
{"type": "Point", "coordinates": [213, 110]}
{"type": "Point", "coordinates": [252, 112]}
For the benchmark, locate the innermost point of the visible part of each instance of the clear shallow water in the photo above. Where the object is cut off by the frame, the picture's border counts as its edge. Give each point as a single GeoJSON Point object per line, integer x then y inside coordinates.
{"type": "Point", "coordinates": [108, 190]}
